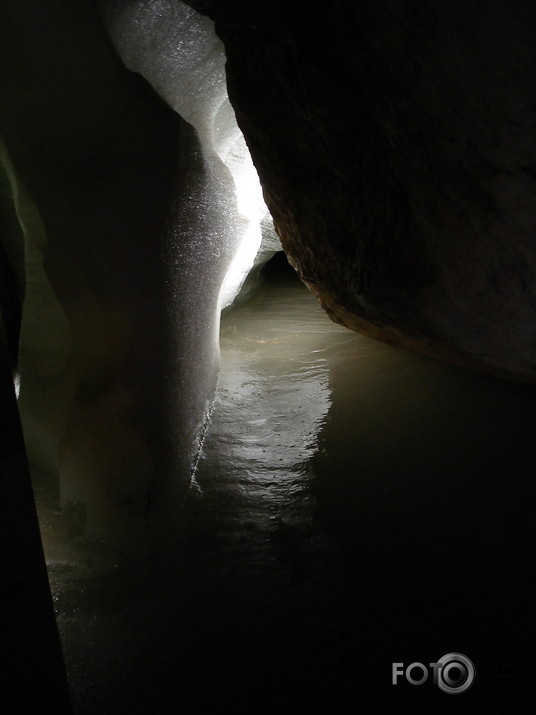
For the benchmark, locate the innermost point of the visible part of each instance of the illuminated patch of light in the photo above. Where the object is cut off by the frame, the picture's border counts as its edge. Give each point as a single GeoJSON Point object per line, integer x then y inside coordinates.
{"type": "Point", "coordinates": [180, 55]}
{"type": "Point", "coordinates": [252, 210]}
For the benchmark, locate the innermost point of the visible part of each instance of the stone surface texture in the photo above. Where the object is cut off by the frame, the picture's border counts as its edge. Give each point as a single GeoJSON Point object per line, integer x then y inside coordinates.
{"type": "Point", "coordinates": [396, 145]}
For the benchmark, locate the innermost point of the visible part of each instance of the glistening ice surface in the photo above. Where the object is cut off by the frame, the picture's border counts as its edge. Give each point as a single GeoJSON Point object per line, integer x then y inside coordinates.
{"type": "Point", "coordinates": [119, 341]}
{"type": "Point", "coordinates": [178, 52]}
{"type": "Point", "coordinates": [355, 505]}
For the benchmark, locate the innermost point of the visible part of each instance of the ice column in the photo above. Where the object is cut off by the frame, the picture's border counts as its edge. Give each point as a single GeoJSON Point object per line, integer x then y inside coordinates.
{"type": "Point", "coordinates": [177, 51]}
{"type": "Point", "coordinates": [140, 223]}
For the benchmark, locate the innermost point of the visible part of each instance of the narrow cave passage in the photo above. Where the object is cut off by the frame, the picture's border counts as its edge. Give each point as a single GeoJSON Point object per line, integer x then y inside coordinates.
{"type": "Point", "coordinates": [354, 505]}
{"type": "Point", "coordinates": [348, 494]}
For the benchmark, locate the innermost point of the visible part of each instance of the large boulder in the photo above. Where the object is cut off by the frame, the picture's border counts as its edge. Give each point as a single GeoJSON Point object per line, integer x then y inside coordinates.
{"type": "Point", "coordinates": [396, 145]}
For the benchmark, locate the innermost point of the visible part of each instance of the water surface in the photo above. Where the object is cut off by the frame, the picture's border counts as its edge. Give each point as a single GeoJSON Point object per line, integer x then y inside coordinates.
{"type": "Point", "coordinates": [354, 505]}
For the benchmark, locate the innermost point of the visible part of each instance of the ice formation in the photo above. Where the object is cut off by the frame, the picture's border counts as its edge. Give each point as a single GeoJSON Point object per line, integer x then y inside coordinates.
{"type": "Point", "coordinates": [129, 263]}
{"type": "Point", "coordinates": [177, 51]}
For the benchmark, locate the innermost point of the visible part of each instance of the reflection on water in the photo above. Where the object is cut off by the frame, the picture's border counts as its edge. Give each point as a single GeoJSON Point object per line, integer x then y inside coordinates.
{"type": "Point", "coordinates": [273, 395]}
{"type": "Point", "coordinates": [354, 505]}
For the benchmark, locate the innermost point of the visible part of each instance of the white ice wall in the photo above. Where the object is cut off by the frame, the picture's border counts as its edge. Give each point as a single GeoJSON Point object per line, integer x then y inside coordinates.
{"type": "Point", "coordinates": [177, 51]}
{"type": "Point", "coordinates": [139, 228]}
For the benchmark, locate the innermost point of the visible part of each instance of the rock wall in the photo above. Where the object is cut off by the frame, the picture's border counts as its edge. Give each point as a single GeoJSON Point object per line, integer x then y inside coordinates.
{"type": "Point", "coordinates": [396, 147]}
{"type": "Point", "coordinates": [31, 651]}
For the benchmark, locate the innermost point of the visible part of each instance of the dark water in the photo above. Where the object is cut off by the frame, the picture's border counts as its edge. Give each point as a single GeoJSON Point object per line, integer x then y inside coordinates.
{"type": "Point", "coordinates": [354, 505]}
